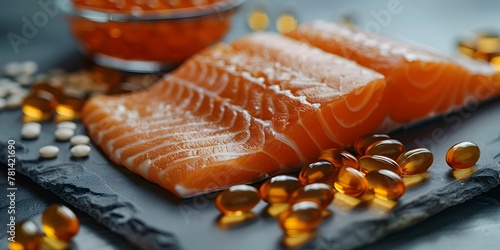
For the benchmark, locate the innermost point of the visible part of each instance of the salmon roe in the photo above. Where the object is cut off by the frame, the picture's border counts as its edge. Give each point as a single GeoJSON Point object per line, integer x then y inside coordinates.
{"type": "Point", "coordinates": [385, 184]}
{"type": "Point", "coordinates": [237, 200]}
{"type": "Point", "coordinates": [60, 223]}
{"type": "Point", "coordinates": [279, 189]}
{"type": "Point", "coordinates": [463, 155]}
{"type": "Point", "coordinates": [167, 40]}
{"type": "Point", "coordinates": [317, 172]}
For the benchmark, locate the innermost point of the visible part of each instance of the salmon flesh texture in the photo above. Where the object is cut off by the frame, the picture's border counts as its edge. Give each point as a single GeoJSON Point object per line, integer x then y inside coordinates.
{"type": "Point", "coordinates": [238, 113]}
{"type": "Point", "coordinates": [419, 83]}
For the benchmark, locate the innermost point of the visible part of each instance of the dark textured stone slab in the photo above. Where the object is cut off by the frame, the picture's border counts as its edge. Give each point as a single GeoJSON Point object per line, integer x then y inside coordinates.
{"type": "Point", "coordinates": [152, 218]}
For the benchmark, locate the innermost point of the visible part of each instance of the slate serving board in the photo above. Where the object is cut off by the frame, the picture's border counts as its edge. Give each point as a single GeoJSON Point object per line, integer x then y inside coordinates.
{"type": "Point", "coordinates": [152, 218]}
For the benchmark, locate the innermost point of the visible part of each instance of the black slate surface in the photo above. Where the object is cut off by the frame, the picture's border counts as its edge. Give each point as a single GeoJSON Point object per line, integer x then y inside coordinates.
{"type": "Point", "coordinates": [152, 218]}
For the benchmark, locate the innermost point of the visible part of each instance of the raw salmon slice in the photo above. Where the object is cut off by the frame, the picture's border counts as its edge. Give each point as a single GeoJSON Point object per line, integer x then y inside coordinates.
{"type": "Point", "coordinates": [231, 115]}
{"type": "Point", "coordinates": [419, 83]}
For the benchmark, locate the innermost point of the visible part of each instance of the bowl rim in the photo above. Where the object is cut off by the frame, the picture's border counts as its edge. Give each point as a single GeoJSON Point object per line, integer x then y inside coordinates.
{"type": "Point", "coordinates": [156, 15]}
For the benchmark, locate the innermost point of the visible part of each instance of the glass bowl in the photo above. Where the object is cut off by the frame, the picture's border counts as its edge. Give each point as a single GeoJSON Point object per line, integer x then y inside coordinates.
{"type": "Point", "coordinates": [143, 41]}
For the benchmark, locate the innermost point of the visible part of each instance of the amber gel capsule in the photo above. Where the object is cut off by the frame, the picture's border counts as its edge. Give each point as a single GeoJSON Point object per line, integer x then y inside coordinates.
{"type": "Point", "coordinates": [339, 158]}
{"type": "Point", "coordinates": [385, 184]}
{"type": "Point", "coordinates": [350, 181]}
{"type": "Point", "coordinates": [279, 189]}
{"type": "Point", "coordinates": [369, 163]}
{"type": "Point", "coordinates": [60, 223]}
{"type": "Point", "coordinates": [363, 142]}
{"type": "Point", "coordinates": [28, 237]}
{"type": "Point", "coordinates": [317, 172]}
{"type": "Point", "coordinates": [320, 193]}
{"type": "Point", "coordinates": [300, 218]}
{"type": "Point", "coordinates": [463, 155]}
{"type": "Point", "coordinates": [389, 147]}
{"type": "Point", "coordinates": [237, 200]}
{"type": "Point", "coordinates": [39, 105]}
{"type": "Point", "coordinates": [415, 161]}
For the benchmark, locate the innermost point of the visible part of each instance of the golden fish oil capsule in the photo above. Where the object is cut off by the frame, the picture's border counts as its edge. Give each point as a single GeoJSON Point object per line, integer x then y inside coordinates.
{"type": "Point", "coordinates": [60, 223]}
{"type": "Point", "coordinates": [300, 218]}
{"type": "Point", "coordinates": [258, 20]}
{"type": "Point", "coordinates": [70, 106]}
{"type": "Point", "coordinates": [362, 143]}
{"type": "Point", "coordinates": [463, 155]}
{"type": "Point", "coordinates": [286, 23]}
{"type": "Point", "coordinates": [320, 193]}
{"type": "Point", "coordinates": [279, 189]}
{"type": "Point", "coordinates": [488, 43]}
{"type": "Point", "coordinates": [369, 163]}
{"type": "Point", "coordinates": [467, 47]}
{"type": "Point", "coordinates": [54, 87]}
{"type": "Point", "coordinates": [388, 147]}
{"type": "Point", "coordinates": [415, 161]}
{"type": "Point", "coordinates": [237, 200]}
{"type": "Point", "coordinates": [38, 105]}
{"type": "Point", "coordinates": [28, 237]}
{"type": "Point", "coordinates": [385, 184]}
{"type": "Point", "coordinates": [339, 158]}
{"type": "Point", "coordinates": [317, 172]}
{"type": "Point", "coordinates": [350, 181]}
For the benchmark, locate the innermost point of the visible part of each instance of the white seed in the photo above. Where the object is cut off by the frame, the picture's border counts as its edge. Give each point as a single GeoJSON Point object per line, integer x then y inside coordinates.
{"type": "Point", "coordinates": [31, 130]}
{"type": "Point", "coordinates": [80, 140]}
{"type": "Point", "coordinates": [15, 101]}
{"type": "Point", "coordinates": [49, 151]}
{"type": "Point", "coordinates": [32, 124]}
{"type": "Point", "coordinates": [24, 80]}
{"type": "Point", "coordinates": [64, 134]}
{"type": "Point", "coordinates": [4, 91]}
{"type": "Point", "coordinates": [29, 67]}
{"type": "Point", "coordinates": [13, 69]}
{"type": "Point", "coordinates": [3, 104]}
{"type": "Point", "coordinates": [70, 125]}
{"type": "Point", "coordinates": [16, 90]}
{"type": "Point", "coordinates": [80, 151]}
{"type": "Point", "coordinates": [4, 81]}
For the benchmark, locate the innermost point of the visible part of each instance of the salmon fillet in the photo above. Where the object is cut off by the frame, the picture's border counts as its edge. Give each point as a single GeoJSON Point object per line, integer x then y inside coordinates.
{"type": "Point", "coordinates": [237, 114]}
{"type": "Point", "coordinates": [419, 83]}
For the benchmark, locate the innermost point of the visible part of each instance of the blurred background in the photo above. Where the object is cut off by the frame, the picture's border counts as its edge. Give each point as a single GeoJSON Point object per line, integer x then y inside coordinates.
{"type": "Point", "coordinates": [436, 24]}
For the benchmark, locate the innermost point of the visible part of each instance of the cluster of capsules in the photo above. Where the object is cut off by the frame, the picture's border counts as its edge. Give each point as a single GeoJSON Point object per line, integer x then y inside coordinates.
{"type": "Point", "coordinates": [258, 20]}
{"type": "Point", "coordinates": [378, 169]}
{"type": "Point", "coordinates": [59, 226]}
{"type": "Point", "coordinates": [61, 95]}
{"type": "Point", "coordinates": [483, 47]}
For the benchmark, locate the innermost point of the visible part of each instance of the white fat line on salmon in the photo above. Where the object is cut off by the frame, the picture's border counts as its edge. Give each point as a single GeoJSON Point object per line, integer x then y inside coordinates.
{"type": "Point", "coordinates": [138, 128]}
{"type": "Point", "coordinates": [359, 91]}
{"type": "Point", "coordinates": [153, 135]}
{"type": "Point", "coordinates": [193, 162]}
{"type": "Point", "coordinates": [326, 127]}
{"type": "Point", "coordinates": [196, 129]}
{"type": "Point", "coordinates": [202, 137]}
{"type": "Point", "coordinates": [223, 154]}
